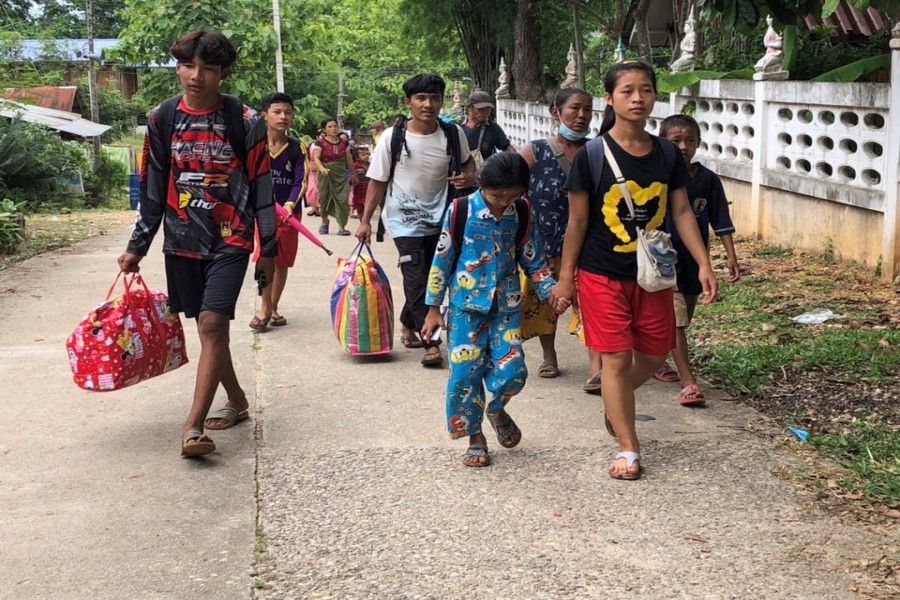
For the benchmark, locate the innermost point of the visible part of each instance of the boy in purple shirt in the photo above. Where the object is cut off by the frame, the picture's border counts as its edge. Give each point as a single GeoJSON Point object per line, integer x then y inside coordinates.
{"type": "Point", "coordinates": [287, 163]}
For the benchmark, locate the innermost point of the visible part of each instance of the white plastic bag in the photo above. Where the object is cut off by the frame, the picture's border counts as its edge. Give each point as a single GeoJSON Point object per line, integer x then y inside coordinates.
{"type": "Point", "coordinates": [656, 260]}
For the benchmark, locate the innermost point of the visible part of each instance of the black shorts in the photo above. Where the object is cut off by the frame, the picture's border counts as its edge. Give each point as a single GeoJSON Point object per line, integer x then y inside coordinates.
{"type": "Point", "coordinates": [197, 285]}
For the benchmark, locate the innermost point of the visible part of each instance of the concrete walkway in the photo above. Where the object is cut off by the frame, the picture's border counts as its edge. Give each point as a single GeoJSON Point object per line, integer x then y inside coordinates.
{"type": "Point", "coordinates": [346, 486]}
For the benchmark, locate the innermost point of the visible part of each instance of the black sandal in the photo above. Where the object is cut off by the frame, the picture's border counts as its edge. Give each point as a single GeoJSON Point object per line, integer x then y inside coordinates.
{"type": "Point", "coordinates": [508, 433]}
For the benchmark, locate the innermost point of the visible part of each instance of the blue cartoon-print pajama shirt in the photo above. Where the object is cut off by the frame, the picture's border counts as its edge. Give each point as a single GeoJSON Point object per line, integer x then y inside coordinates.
{"type": "Point", "coordinates": [484, 316]}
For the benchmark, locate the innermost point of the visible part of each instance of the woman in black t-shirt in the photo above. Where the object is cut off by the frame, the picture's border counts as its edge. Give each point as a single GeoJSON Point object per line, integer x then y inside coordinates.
{"type": "Point", "coordinates": [632, 329]}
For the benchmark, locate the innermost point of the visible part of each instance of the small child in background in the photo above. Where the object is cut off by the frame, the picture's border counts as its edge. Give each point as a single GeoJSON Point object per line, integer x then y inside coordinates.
{"type": "Point", "coordinates": [707, 198]}
{"type": "Point", "coordinates": [358, 193]}
{"type": "Point", "coordinates": [478, 260]}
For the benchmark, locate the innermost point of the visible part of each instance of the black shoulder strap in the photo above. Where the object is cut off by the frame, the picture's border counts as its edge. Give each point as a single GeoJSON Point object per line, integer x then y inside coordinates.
{"type": "Point", "coordinates": [162, 146]}
{"type": "Point", "coordinates": [523, 212]}
{"type": "Point", "coordinates": [453, 150]}
{"type": "Point", "coordinates": [460, 208]}
{"type": "Point", "coordinates": [669, 152]}
{"type": "Point", "coordinates": [596, 160]}
{"type": "Point", "coordinates": [452, 132]}
{"type": "Point", "coordinates": [398, 140]}
{"type": "Point", "coordinates": [166, 116]}
{"type": "Point", "coordinates": [234, 124]}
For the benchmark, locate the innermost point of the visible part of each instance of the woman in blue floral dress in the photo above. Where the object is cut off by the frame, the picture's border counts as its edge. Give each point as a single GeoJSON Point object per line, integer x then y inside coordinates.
{"type": "Point", "coordinates": [549, 159]}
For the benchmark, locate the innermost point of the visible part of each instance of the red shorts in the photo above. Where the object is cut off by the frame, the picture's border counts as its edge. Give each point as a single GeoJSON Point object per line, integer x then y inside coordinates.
{"type": "Point", "coordinates": [619, 315]}
{"type": "Point", "coordinates": [287, 238]}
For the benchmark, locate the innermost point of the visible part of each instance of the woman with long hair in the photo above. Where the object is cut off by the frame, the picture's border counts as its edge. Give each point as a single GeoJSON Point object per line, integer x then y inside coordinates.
{"type": "Point", "coordinates": [631, 328]}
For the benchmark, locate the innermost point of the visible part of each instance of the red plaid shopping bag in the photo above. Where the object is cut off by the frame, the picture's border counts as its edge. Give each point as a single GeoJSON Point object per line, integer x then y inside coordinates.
{"type": "Point", "coordinates": [126, 339]}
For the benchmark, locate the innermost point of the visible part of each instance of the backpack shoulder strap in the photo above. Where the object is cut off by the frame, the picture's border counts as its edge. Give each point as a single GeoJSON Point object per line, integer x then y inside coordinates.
{"type": "Point", "coordinates": [398, 140]}
{"type": "Point", "coordinates": [596, 159]}
{"type": "Point", "coordinates": [669, 152]}
{"type": "Point", "coordinates": [559, 155]}
{"type": "Point", "coordinates": [234, 124]}
{"type": "Point", "coordinates": [460, 208]}
{"type": "Point", "coordinates": [451, 132]}
{"type": "Point", "coordinates": [166, 116]}
{"type": "Point", "coordinates": [523, 212]}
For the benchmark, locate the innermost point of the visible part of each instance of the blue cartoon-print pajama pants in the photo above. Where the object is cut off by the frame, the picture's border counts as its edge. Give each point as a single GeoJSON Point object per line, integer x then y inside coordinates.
{"type": "Point", "coordinates": [484, 350]}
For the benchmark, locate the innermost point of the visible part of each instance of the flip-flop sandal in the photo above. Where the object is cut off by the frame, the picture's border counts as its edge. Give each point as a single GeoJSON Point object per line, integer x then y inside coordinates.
{"type": "Point", "coordinates": [548, 370]}
{"type": "Point", "coordinates": [433, 360]}
{"type": "Point", "coordinates": [278, 321]}
{"type": "Point", "coordinates": [411, 341]}
{"type": "Point", "coordinates": [666, 373]}
{"type": "Point", "coordinates": [227, 414]}
{"type": "Point", "coordinates": [508, 433]}
{"type": "Point", "coordinates": [592, 385]}
{"type": "Point", "coordinates": [630, 459]}
{"type": "Point", "coordinates": [258, 324]}
{"type": "Point", "coordinates": [195, 443]}
{"type": "Point", "coordinates": [478, 452]}
{"type": "Point", "coordinates": [691, 395]}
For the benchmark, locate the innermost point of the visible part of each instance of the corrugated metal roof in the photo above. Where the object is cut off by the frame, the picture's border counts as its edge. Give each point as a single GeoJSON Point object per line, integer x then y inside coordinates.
{"type": "Point", "coordinates": [58, 98]}
{"type": "Point", "coordinates": [59, 120]}
{"type": "Point", "coordinates": [69, 50]}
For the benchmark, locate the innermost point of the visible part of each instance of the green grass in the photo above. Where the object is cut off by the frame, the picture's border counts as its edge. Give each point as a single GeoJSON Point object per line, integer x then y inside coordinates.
{"type": "Point", "coordinates": [773, 251]}
{"type": "Point", "coordinates": [48, 232]}
{"type": "Point", "coordinates": [742, 344]}
{"type": "Point", "coordinates": [871, 450]}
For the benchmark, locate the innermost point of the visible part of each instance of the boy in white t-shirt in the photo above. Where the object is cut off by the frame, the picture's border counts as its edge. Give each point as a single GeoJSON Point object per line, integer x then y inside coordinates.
{"type": "Point", "coordinates": [416, 193]}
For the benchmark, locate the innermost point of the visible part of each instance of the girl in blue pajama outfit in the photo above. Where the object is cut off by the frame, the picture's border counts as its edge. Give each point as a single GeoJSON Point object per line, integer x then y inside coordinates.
{"type": "Point", "coordinates": [485, 304]}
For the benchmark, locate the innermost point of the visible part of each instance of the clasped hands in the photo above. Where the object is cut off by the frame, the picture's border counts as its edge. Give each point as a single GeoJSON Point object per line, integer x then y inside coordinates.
{"type": "Point", "coordinates": [562, 296]}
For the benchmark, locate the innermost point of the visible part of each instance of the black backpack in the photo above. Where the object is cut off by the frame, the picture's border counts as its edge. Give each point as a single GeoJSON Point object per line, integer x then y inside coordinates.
{"type": "Point", "coordinates": [234, 123]}
{"type": "Point", "coordinates": [398, 142]}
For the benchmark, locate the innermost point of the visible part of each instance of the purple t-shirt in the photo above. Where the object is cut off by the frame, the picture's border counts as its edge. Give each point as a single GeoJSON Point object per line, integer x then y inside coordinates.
{"type": "Point", "coordinates": [288, 166]}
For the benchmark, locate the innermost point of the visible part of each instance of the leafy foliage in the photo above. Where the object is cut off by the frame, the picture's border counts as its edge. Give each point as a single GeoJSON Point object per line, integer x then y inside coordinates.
{"type": "Point", "coordinates": [107, 184]}
{"type": "Point", "coordinates": [12, 225]}
{"type": "Point", "coordinates": [120, 114]}
{"type": "Point", "coordinates": [33, 162]}
{"type": "Point", "coordinates": [363, 40]}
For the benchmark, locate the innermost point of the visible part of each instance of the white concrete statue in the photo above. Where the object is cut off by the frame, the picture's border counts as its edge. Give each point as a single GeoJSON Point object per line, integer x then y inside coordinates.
{"type": "Point", "coordinates": [773, 59]}
{"type": "Point", "coordinates": [620, 51]}
{"type": "Point", "coordinates": [571, 69]}
{"type": "Point", "coordinates": [686, 60]}
{"type": "Point", "coordinates": [457, 100]}
{"type": "Point", "coordinates": [503, 79]}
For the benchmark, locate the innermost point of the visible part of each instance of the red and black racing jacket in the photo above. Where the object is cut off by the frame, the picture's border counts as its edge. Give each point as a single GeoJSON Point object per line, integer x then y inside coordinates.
{"type": "Point", "coordinates": [206, 197]}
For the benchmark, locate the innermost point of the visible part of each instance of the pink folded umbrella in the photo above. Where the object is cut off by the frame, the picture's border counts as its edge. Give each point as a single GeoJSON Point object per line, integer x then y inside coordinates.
{"type": "Point", "coordinates": [296, 224]}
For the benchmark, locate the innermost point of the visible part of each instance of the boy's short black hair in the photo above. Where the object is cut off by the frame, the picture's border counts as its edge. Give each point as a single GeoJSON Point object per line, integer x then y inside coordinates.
{"type": "Point", "coordinates": [212, 47]}
{"type": "Point", "coordinates": [276, 98]}
{"type": "Point", "coordinates": [424, 83]}
{"type": "Point", "coordinates": [504, 170]}
{"type": "Point", "coordinates": [678, 121]}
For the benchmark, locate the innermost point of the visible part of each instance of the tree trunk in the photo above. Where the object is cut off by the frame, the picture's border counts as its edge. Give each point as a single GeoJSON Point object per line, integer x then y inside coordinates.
{"type": "Point", "coordinates": [477, 37]}
{"type": "Point", "coordinates": [643, 33]}
{"type": "Point", "coordinates": [526, 67]}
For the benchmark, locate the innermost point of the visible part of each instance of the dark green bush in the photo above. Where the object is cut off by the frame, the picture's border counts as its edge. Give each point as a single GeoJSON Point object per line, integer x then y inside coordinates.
{"type": "Point", "coordinates": [12, 225]}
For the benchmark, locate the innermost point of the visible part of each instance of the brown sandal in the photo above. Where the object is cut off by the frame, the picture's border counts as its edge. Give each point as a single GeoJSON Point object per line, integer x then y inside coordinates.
{"type": "Point", "coordinates": [258, 324]}
{"type": "Point", "coordinates": [196, 443]}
